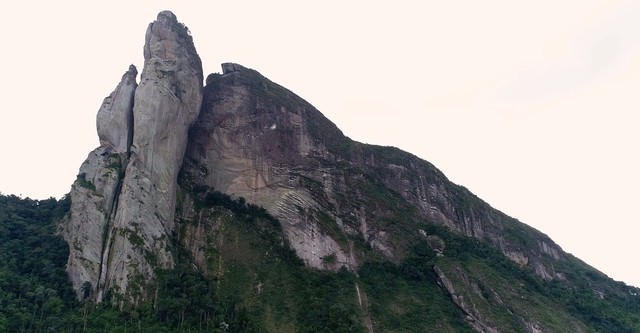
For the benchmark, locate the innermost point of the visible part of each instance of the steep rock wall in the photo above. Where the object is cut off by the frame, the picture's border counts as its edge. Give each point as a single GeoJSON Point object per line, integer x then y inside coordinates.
{"type": "Point", "coordinates": [122, 209]}
{"type": "Point", "coordinates": [250, 137]}
{"type": "Point", "coordinates": [93, 197]}
{"type": "Point", "coordinates": [257, 140]}
{"type": "Point", "coordinates": [115, 117]}
{"type": "Point", "coordinates": [167, 103]}
{"type": "Point", "coordinates": [258, 147]}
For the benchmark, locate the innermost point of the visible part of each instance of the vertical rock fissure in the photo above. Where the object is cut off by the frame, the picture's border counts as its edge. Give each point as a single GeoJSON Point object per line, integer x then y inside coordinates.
{"type": "Point", "coordinates": [108, 240]}
{"type": "Point", "coordinates": [124, 157]}
{"type": "Point", "coordinates": [129, 135]}
{"type": "Point", "coordinates": [122, 212]}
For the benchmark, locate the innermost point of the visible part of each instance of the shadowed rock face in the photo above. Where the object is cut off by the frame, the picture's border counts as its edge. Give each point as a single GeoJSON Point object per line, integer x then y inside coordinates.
{"type": "Point", "coordinates": [246, 136]}
{"type": "Point", "coordinates": [167, 144]}
{"type": "Point", "coordinates": [257, 140]}
{"type": "Point", "coordinates": [115, 117]}
{"type": "Point", "coordinates": [253, 139]}
{"type": "Point", "coordinates": [167, 101]}
{"type": "Point", "coordinates": [123, 201]}
{"type": "Point", "coordinates": [93, 198]}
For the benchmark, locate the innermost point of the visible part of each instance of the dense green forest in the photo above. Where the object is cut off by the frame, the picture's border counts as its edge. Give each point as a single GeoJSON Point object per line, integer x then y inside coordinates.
{"type": "Point", "coordinates": [274, 292]}
{"type": "Point", "coordinates": [35, 295]}
{"type": "Point", "coordinates": [34, 291]}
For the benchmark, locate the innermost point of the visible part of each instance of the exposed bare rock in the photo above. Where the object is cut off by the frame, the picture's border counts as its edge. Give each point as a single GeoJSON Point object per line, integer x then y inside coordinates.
{"type": "Point", "coordinates": [167, 102]}
{"type": "Point", "coordinates": [121, 221]}
{"type": "Point", "coordinates": [202, 231]}
{"type": "Point", "coordinates": [533, 328]}
{"type": "Point", "coordinates": [115, 117]}
{"type": "Point", "coordinates": [517, 257]}
{"type": "Point", "coordinates": [229, 67]}
{"type": "Point", "coordinates": [549, 250]}
{"type": "Point", "coordinates": [260, 152]}
{"type": "Point", "coordinates": [257, 140]}
{"type": "Point", "coordinates": [93, 196]}
{"type": "Point", "coordinates": [340, 204]}
{"type": "Point", "coordinates": [95, 193]}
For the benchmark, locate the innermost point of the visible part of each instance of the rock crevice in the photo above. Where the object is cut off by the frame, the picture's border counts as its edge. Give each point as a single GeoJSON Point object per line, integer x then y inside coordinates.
{"type": "Point", "coordinates": [123, 202]}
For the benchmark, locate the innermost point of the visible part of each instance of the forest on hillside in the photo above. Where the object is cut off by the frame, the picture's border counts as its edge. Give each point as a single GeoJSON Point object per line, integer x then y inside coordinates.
{"type": "Point", "coordinates": [36, 296]}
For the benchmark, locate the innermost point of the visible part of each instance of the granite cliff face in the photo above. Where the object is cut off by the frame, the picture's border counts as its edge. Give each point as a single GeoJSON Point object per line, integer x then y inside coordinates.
{"type": "Point", "coordinates": [220, 183]}
{"type": "Point", "coordinates": [336, 199]}
{"type": "Point", "coordinates": [254, 139]}
{"type": "Point", "coordinates": [115, 117]}
{"type": "Point", "coordinates": [258, 140]}
{"type": "Point", "coordinates": [123, 202]}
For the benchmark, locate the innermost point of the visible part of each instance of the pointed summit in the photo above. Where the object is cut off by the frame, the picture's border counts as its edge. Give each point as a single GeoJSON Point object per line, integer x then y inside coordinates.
{"type": "Point", "coordinates": [115, 117]}
{"type": "Point", "coordinates": [168, 39]}
{"type": "Point", "coordinates": [123, 201]}
{"type": "Point", "coordinates": [168, 99]}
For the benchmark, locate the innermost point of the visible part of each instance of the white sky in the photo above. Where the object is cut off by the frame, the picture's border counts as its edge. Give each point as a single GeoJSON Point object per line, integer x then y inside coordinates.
{"type": "Point", "coordinates": [533, 106]}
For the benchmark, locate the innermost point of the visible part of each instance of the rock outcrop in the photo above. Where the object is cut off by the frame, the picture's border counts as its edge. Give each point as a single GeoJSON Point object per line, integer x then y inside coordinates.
{"type": "Point", "coordinates": [169, 146]}
{"type": "Point", "coordinates": [115, 117]}
{"type": "Point", "coordinates": [167, 101]}
{"type": "Point", "coordinates": [93, 196]}
{"type": "Point", "coordinates": [249, 137]}
{"type": "Point", "coordinates": [255, 143]}
{"type": "Point", "coordinates": [258, 140]}
{"type": "Point", "coordinates": [123, 202]}
{"type": "Point", "coordinates": [474, 319]}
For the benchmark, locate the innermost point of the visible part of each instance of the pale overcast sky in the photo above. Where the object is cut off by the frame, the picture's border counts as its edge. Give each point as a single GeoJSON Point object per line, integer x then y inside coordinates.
{"type": "Point", "coordinates": [533, 106]}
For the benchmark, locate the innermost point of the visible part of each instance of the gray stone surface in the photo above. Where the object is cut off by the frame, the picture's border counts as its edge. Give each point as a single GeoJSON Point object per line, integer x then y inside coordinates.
{"type": "Point", "coordinates": [123, 204]}
{"type": "Point", "coordinates": [259, 141]}
{"type": "Point", "coordinates": [254, 139]}
{"type": "Point", "coordinates": [92, 203]}
{"type": "Point", "coordinates": [115, 117]}
{"type": "Point", "coordinates": [167, 101]}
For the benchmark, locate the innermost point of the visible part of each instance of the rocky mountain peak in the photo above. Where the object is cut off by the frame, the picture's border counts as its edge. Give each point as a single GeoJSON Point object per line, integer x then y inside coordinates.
{"type": "Point", "coordinates": [123, 202]}
{"type": "Point", "coordinates": [257, 140]}
{"type": "Point", "coordinates": [168, 40]}
{"type": "Point", "coordinates": [214, 187]}
{"type": "Point", "coordinates": [167, 16]}
{"type": "Point", "coordinates": [229, 67]}
{"type": "Point", "coordinates": [337, 200]}
{"type": "Point", "coordinates": [115, 117]}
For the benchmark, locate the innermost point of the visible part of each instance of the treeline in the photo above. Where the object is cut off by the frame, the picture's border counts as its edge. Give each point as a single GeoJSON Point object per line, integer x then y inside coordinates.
{"type": "Point", "coordinates": [36, 296]}
{"type": "Point", "coordinates": [267, 288]}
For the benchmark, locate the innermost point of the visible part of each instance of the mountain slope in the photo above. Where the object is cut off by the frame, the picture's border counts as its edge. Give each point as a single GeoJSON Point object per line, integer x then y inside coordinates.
{"type": "Point", "coordinates": [257, 140]}
{"type": "Point", "coordinates": [238, 206]}
{"type": "Point", "coordinates": [343, 204]}
{"type": "Point", "coordinates": [246, 277]}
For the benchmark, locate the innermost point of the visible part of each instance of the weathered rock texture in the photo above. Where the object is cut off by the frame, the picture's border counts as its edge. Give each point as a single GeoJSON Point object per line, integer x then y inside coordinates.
{"type": "Point", "coordinates": [115, 117]}
{"type": "Point", "coordinates": [123, 201]}
{"type": "Point", "coordinates": [93, 197]}
{"type": "Point", "coordinates": [167, 145]}
{"type": "Point", "coordinates": [257, 140]}
{"type": "Point", "coordinates": [252, 140]}
{"type": "Point", "coordinates": [167, 101]}
{"type": "Point", "coordinates": [249, 137]}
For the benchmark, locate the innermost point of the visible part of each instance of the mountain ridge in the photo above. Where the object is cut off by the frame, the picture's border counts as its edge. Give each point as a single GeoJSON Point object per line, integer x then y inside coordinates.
{"type": "Point", "coordinates": [317, 141]}
{"type": "Point", "coordinates": [155, 195]}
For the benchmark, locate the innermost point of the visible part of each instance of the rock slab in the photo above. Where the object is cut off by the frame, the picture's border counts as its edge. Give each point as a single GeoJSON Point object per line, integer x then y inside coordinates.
{"type": "Point", "coordinates": [123, 202]}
